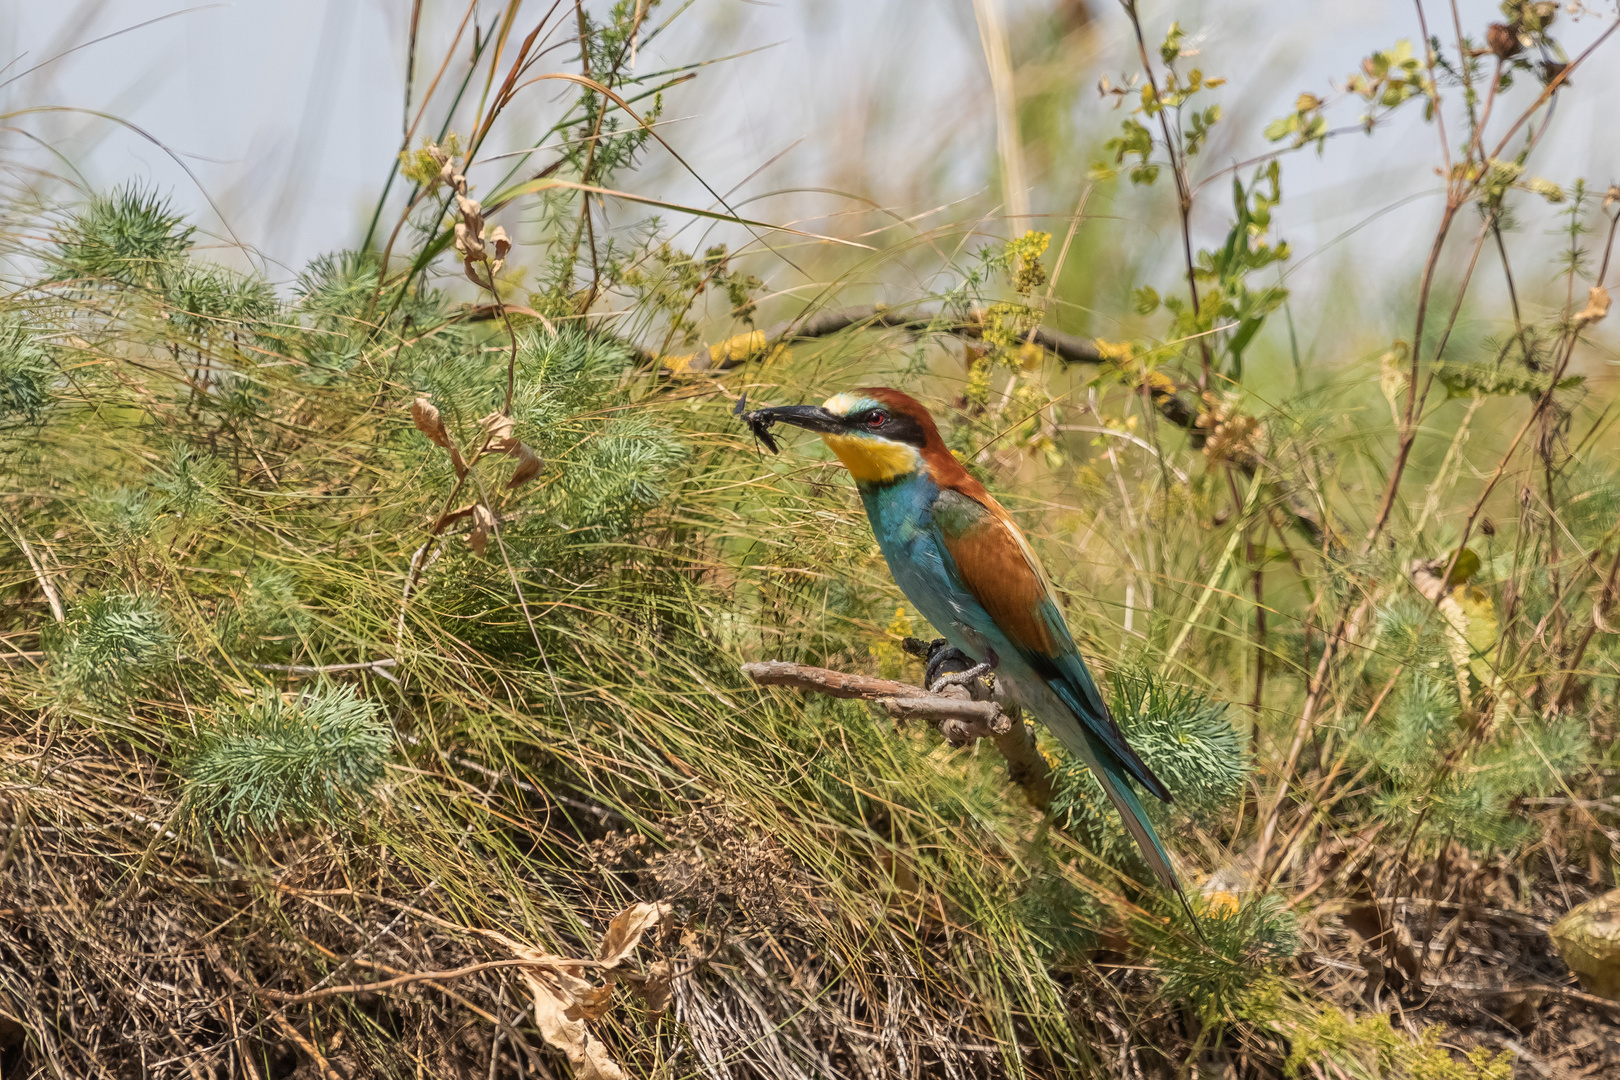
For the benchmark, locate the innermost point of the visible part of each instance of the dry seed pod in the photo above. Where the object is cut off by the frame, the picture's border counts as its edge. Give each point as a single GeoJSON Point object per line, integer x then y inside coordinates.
{"type": "Point", "coordinates": [1502, 40]}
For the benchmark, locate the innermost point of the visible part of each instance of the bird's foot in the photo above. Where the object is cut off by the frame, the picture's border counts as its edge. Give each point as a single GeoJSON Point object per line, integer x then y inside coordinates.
{"type": "Point", "coordinates": [958, 678]}
{"type": "Point", "coordinates": [947, 665]}
{"type": "Point", "coordinates": [939, 656]}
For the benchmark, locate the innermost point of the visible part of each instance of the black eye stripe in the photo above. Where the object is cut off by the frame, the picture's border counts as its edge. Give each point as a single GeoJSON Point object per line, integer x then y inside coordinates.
{"type": "Point", "coordinates": [895, 427]}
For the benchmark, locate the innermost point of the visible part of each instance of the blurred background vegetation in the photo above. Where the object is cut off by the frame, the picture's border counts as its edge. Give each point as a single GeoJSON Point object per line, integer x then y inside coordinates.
{"type": "Point", "coordinates": [381, 551]}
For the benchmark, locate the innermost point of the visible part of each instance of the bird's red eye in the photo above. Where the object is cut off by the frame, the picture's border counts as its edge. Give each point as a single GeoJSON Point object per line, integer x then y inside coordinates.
{"type": "Point", "coordinates": [877, 418]}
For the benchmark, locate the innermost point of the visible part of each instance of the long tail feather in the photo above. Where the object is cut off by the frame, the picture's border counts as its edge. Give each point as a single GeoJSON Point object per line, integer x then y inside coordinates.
{"type": "Point", "coordinates": [1116, 784]}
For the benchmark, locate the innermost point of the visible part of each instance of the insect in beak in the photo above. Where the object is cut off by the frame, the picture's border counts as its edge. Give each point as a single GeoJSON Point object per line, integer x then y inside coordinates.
{"type": "Point", "coordinates": [759, 422]}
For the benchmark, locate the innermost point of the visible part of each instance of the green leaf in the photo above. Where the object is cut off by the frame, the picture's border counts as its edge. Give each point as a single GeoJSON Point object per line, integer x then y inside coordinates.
{"type": "Point", "coordinates": [1170, 48]}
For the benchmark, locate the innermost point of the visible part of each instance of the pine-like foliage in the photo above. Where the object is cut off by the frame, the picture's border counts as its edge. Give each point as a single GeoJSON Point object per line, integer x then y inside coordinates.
{"type": "Point", "coordinates": [110, 642]}
{"type": "Point", "coordinates": [26, 375]}
{"type": "Point", "coordinates": [211, 301]}
{"type": "Point", "coordinates": [1231, 969]}
{"type": "Point", "coordinates": [273, 763]}
{"type": "Point", "coordinates": [129, 236]}
{"type": "Point", "coordinates": [1187, 740]}
{"type": "Point", "coordinates": [1441, 772]}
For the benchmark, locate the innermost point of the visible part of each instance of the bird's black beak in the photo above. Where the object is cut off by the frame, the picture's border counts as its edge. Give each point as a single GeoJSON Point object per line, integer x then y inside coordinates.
{"type": "Point", "coordinates": [809, 417]}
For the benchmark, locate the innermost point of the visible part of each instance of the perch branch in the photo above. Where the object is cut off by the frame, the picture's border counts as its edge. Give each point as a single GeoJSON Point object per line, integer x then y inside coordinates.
{"type": "Point", "coordinates": [1066, 347]}
{"type": "Point", "coordinates": [960, 719]}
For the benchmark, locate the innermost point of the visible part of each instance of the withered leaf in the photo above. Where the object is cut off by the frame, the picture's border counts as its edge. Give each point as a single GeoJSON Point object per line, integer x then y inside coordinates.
{"type": "Point", "coordinates": [528, 466]}
{"type": "Point", "coordinates": [428, 421]}
{"type": "Point", "coordinates": [569, 1034]}
{"type": "Point", "coordinates": [498, 426]}
{"type": "Point", "coordinates": [502, 244]}
{"type": "Point", "coordinates": [1597, 306]}
{"type": "Point", "coordinates": [450, 517]}
{"type": "Point", "coordinates": [501, 441]}
{"type": "Point", "coordinates": [625, 931]}
{"type": "Point", "coordinates": [593, 1002]}
{"type": "Point", "coordinates": [483, 523]}
{"type": "Point", "coordinates": [657, 988]}
{"type": "Point", "coordinates": [425, 415]}
{"type": "Point", "coordinates": [468, 242]}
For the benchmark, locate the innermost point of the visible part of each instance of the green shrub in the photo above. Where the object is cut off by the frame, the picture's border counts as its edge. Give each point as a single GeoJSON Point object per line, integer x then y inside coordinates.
{"type": "Point", "coordinates": [275, 763]}
{"type": "Point", "coordinates": [128, 236]}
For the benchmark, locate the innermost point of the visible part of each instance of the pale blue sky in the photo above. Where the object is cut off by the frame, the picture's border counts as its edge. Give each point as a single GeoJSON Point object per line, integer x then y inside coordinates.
{"type": "Point", "coordinates": [288, 112]}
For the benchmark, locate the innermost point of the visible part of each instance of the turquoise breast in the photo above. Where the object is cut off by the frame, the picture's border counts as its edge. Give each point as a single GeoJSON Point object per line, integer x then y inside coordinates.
{"type": "Point", "coordinates": [902, 517]}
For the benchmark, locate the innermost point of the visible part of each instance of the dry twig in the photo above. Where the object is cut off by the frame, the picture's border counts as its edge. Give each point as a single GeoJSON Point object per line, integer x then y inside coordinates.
{"type": "Point", "coordinates": [961, 719]}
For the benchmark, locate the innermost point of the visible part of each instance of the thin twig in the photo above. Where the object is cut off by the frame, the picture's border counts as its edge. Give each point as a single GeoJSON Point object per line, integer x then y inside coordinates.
{"type": "Point", "coordinates": [1184, 193]}
{"type": "Point", "coordinates": [276, 1015]}
{"type": "Point", "coordinates": [40, 575]}
{"type": "Point", "coordinates": [394, 983]}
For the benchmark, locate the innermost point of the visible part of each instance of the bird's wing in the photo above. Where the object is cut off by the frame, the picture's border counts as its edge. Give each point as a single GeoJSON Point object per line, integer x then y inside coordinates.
{"type": "Point", "coordinates": [996, 566]}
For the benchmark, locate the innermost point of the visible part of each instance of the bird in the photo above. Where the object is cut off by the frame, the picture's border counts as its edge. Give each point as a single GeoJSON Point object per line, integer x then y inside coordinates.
{"type": "Point", "coordinates": [960, 559]}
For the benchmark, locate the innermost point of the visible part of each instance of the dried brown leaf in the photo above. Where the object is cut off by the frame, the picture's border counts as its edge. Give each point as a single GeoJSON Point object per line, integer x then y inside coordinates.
{"type": "Point", "coordinates": [625, 931]}
{"type": "Point", "coordinates": [468, 242]}
{"type": "Point", "coordinates": [528, 466]}
{"type": "Point", "coordinates": [552, 1005]}
{"type": "Point", "coordinates": [592, 1002]}
{"type": "Point", "coordinates": [428, 421]}
{"type": "Point", "coordinates": [499, 427]}
{"type": "Point", "coordinates": [483, 524]}
{"type": "Point", "coordinates": [450, 517]}
{"type": "Point", "coordinates": [1597, 306]}
{"type": "Point", "coordinates": [503, 244]}
{"type": "Point", "coordinates": [657, 988]}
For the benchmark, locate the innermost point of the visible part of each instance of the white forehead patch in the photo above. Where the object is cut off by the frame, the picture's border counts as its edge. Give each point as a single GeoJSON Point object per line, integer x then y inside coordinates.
{"type": "Point", "coordinates": [846, 404]}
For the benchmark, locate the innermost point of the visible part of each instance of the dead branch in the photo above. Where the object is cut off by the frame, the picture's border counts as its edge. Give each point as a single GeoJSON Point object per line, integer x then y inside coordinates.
{"type": "Point", "coordinates": [1066, 347]}
{"type": "Point", "coordinates": [962, 715]}
{"type": "Point", "coordinates": [388, 984]}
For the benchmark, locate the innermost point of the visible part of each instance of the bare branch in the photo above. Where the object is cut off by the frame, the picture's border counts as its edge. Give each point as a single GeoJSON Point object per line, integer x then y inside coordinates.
{"type": "Point", "coordinates": [960, 719]}
{"type": "Point", "coordinates": [1066, 347]}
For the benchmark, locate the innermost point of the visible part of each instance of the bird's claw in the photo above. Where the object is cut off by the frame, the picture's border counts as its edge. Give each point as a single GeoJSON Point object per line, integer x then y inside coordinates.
{"type": "Point", "coordinates": [939, 657]}
{"type": "Point", "coordinates": [949, 666]}
{"type": "Point", "coordinates": [958, 678]}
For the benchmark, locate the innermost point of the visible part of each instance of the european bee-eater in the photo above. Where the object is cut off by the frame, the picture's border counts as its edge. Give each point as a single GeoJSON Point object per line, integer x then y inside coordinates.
{"type": "Point", "coordinates": [960, 560]}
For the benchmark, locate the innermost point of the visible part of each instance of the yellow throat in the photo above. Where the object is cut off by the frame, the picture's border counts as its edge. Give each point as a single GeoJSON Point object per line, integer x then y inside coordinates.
{"type": "Point", "coordinates": [874, 460]}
